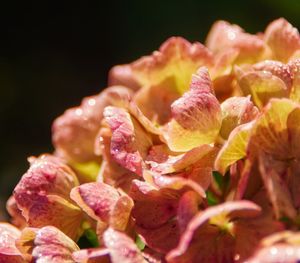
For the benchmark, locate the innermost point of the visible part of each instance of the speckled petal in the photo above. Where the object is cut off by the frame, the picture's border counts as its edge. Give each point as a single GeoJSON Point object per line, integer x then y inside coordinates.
{"type": "Point", "coordinates": [188, 207]}
{"type": "Point", "coordinates": [96, 199]}
{"type": "Point", "coordinates": [74, 132]}
{"type": "Point", "coordinates": [8, 251]}
{"type": "Point", "coordinates": [122, 248]}
{"type": "Point", "coordinates": [46, 175]}
{"type": "Point", "coordinates": [129, 141]}
{"type": "Point", "coordinates": [196, 116]}
{"type": "Point", "coordinates": [44, 190]}
{"type": "Point", "coordinates": [278, 69]}
{"type": "Point", "coordinates": [163, 238]}
{"type": "Point", "coordinates": [282, 38]}
{"type": "Point", "coordinates": [56, 211]}
{"type": "Point", "coordinates": [111, 172]}
{"type": "Point", "coordinates": [152, 207]}
{"type": "Point", "coordinates": [47, 244]}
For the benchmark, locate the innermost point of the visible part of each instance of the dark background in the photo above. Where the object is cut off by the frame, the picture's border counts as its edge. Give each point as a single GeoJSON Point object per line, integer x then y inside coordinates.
{"type": "Point", "coordinates": [54, 54]}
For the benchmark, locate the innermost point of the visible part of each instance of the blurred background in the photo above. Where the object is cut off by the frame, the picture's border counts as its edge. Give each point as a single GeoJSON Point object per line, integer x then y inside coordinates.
{"type": "Point", "coordinates": [54, 54]}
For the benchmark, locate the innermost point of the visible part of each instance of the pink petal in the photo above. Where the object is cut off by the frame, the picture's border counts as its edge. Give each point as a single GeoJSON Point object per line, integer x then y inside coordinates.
{"type": "Point", "coordinates": [122, 248]}
{"type": "Point", "coordinates": [74, 132]}
{"type": "Point", "coordinates": [177, 58]}
{"type": "Point", "coordinates": [123, 75]}
{"type": "Point", "coordinates": [282, 38]}
{"type": "Point", "coordinates": [224, 36]}
{"type": "Point", "coordinates": [196, 116]}
{"type": "Point", "coordinates": [47, 244]}
{"type": "Point", "coordinates": [111, 172]}
{"type": "Point", "coordinates": [92, 255]}
{"type": "Point", "coordinates": [8, 250]}
{"type": "Point", "coordinates": [129, 141]}
{"type": "Point", "coordinates": [96, 199]}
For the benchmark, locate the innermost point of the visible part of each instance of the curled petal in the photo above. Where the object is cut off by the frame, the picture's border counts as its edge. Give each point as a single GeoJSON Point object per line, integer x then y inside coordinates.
{"type": "Point", "coordinates": [129, 141]}
{"type": "Point", "coordinates": [278, 69]}
{"type": "Point", "coordinates": [44, 190]}
{"type": "Point", "coordinates": [46, 175]}
{"type": "Point", "coordinates": [16, 214]}
{"type": "Point", "coordinates": [236, 111]}
{"type": "Point", "coordinates": [282, 38]}
{"type": "Point", "coordinates": [47, 244]}
{"type": "Point", "coordinates": [8, 250]}
{"type": "Point", "coordinates": [176, 58]}
{"type": "Point", "coordinates": [176, 183]}
{"type": "Point", "coordinates": [120, 215]}
{"type": "Point", "coordinates": [122, 248]}
{"type": "Point", "coordinates": [198, 243]}
{"type": "Point", "coordinates": [74, 132]}
{"type": "Point", "coordinates": [235, 147]}
{"type": "Point", "coordinates": [172, 163]}
{"type": "Point", "coordinates": [111, 172]}
{"type": "Point", "coordinates": [262, 86]}
{"type": "Point", "coordinates": [196, 116]}
{"type": "Point", "coordinates": [96, 199]}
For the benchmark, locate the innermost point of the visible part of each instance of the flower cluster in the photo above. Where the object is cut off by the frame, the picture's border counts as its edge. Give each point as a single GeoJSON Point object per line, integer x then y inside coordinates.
{"type": "Point", "coordinates": [192, 154]}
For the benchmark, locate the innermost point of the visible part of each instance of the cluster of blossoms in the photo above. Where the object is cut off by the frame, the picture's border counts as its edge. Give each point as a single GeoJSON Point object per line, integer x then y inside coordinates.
{"type": "Point", "coordinates": [192, 154]}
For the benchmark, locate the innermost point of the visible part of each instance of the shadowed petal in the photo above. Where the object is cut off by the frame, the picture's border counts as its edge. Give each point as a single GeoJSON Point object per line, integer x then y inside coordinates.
{"type": "Point", "coordinates": [262, 86]}
{"type": "Point", "coordinates": [236, 111]}
{"type": "Point", "coordinates": [235, 147]}
{"type": "Point", "coordinates": [222, 234]}
{"type": "Point", "coordinates": [122, 248]}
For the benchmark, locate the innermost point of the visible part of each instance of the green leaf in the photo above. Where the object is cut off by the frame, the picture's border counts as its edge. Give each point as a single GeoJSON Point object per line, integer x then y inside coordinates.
{"type": "Point", "coordinates": [211, 198]}
{"type": "Point", "coordinates": [91, 236]}
{"type": "Point", "coordinates": [139, 243]}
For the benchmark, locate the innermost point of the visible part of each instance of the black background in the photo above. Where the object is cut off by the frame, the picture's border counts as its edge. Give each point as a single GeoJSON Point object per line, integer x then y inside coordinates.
{"type": "Point", "coordinates": [54, 54]}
